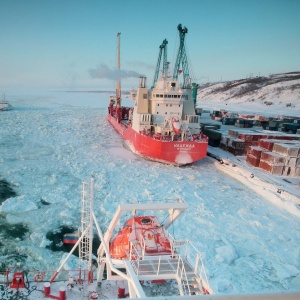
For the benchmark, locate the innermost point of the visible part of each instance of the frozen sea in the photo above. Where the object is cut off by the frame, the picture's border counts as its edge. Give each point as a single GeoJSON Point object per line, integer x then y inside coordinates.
{"type": "Point", "coordinates": [51, 142]}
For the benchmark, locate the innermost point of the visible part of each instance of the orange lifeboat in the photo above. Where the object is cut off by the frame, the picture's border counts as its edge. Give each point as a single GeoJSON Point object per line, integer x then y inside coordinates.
{"type": "Point", "coordinates": [145, 231]}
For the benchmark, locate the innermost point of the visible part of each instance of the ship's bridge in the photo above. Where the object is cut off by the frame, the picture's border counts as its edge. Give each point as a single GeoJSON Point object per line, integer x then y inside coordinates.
{"type": "Point", "coordinates": [168, 97]}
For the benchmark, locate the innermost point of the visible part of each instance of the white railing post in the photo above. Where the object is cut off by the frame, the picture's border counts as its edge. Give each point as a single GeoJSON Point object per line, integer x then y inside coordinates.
{"type": "Point", "coordinates": [181, 273]}
{"type": "Point", "coordinates": [198, 258]}
{"type": "Point", "coordinates": [130, 252]}
{"type": "Point", "coordinates": [158, 267]}
{"type": "Point", "coordinates": [138, 266]}
{"type": "Point", "coordinates": [143, 246]}
{"type": "Point", "coordinates": [187, 249]}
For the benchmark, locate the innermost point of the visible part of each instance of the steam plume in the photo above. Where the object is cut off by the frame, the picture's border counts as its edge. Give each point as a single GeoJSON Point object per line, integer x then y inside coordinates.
{"type": "Point", "coordinates": [103, 71]}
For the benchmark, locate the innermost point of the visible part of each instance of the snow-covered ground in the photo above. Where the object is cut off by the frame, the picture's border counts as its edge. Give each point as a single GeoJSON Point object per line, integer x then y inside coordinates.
{"type": "Point", "coordinates": [50, 142]}
{"type": "Point", "coordinates": [250, 95]}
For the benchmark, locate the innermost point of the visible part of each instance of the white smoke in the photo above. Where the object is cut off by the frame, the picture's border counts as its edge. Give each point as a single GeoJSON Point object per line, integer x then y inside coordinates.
{"type": "Point", "coordinates": [103, 71]}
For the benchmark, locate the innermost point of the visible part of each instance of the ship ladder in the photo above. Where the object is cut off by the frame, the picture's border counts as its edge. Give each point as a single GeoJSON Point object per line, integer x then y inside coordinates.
{"type": "Point", "coordinates": [190, 282]}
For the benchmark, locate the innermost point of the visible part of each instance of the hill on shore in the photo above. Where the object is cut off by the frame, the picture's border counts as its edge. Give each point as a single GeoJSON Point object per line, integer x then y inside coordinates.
{"type": "Point", "coordinates": [272, 95]}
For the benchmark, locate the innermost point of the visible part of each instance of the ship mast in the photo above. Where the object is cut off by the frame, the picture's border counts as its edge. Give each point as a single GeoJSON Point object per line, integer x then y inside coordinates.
{"type": "Point", "coordinates": [118, 91]}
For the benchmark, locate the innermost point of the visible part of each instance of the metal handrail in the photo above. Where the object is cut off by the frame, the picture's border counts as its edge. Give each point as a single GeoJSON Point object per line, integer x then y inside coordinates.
{"type": "Point", "coordinates": [181, 273]}
{"type": "Point", "coordinates": [181, 250]}
{"type": "Point", "coordinates": [43, 275]}
{"type": "Point", "coordinates": [143, 246]}
{"type": "Point", "coordinates": [189, 252]}
{"type": "Point", "coordinates": [135, 256]}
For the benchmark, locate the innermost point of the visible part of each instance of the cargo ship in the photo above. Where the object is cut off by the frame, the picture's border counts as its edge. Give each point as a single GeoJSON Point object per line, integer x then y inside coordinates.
{"type": "Point", "coordinates": [162, 125]}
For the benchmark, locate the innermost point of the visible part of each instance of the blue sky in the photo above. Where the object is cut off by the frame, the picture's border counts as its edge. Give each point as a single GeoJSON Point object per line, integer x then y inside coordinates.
{"type": "Point", "coordinates": [56, 44]}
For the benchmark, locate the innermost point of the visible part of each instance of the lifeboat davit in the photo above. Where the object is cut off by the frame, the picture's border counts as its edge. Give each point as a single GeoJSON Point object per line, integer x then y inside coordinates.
{"type": "Point", "coordinates": [144, 231]}
{"type": "Point", "coordinates": [176, 125]}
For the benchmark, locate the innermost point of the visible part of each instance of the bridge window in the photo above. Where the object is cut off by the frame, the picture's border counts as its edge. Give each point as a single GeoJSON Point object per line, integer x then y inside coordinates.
{"type": "Point", "coordinates": [146, 221]}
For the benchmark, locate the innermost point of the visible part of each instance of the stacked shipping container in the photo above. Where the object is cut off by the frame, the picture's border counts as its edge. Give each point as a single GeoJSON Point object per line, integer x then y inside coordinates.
{"type": "Point", "coordinates": [275, 153]}
{"type": "Point", "coordinates": [279, 157]}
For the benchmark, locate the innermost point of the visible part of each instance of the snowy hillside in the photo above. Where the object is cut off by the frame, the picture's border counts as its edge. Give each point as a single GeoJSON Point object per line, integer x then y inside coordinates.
{"type": "Point", "coordinates": [264, 95]}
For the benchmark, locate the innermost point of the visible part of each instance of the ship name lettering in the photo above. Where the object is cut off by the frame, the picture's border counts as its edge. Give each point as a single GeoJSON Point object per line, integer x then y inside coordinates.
{"type": "Point", "coordinates": [184, 145]}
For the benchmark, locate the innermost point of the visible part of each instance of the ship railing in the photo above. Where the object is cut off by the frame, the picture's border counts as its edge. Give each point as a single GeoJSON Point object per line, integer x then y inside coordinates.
{"type": "Point", "coordinates": [157, 202]}
{"type": "Point", "coordinates": [78, 276]}
{"type": "Point", "coordinates": [182, 274]}
{"type": "Point", "coordinates": [137, 250]}
{"type": "Point", "coordinates": [4, 102]}
{"type": "Point", "coordinates": [187, 251]}
{"type": "Point", "coordinates": [163, 267]}
{"type": "Point", "coordinates": [197, 137]}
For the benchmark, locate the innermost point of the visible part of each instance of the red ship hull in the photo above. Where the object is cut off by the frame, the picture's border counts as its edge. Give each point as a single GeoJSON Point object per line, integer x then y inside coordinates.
{"type": "Point", "coordinates": [166, 151]}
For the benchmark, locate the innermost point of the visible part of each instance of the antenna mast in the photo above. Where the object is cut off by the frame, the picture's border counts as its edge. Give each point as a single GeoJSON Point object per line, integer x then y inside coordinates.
{"type": "Point", "coordinates": [86, 244]}
{"type": "Point", "coordinates": [118, 92]}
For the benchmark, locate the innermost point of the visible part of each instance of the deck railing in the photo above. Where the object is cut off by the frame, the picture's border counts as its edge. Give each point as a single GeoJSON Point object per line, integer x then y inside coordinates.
{"type": "Point", "coordinates": [161, 267]}
{"type": "Point", "coordinates": [78, 275]}
{"type": "Point", "coordinates": [182, 274]}
{"type": "Point", "coordinates": [186, 250]}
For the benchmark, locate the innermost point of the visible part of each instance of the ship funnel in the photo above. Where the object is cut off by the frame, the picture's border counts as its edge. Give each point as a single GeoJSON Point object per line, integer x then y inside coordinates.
{"type": "Point", "coordinates": [142, 82]}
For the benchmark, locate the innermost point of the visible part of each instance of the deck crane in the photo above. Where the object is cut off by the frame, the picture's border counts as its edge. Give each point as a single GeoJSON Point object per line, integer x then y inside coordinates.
{"type": "Point", "coordinates": [162, 49]}
{"type": "Point", "coordinates": [182, 58]}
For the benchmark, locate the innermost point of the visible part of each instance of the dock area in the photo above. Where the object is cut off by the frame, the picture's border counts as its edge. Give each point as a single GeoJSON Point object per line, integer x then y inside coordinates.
{"type": "Point", "coordinates": [266, 161]}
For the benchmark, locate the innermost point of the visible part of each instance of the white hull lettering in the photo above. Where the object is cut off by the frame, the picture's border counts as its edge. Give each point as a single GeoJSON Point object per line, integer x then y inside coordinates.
{"type": "Point", "coordinates": [187, 146]}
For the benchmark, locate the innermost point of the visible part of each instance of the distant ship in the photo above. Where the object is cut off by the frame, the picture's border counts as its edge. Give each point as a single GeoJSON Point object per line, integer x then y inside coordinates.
{"type": "Point", "coordinates": [4, 105]}
{"type": "Point", "coordinates": [162, 126]}
{"type": "Point", "coordinates": [70, 238]}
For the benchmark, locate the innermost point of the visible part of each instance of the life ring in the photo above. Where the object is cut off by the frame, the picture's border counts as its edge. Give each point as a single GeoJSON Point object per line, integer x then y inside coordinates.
{"type": "Point", "coordinates": [39, 277]}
